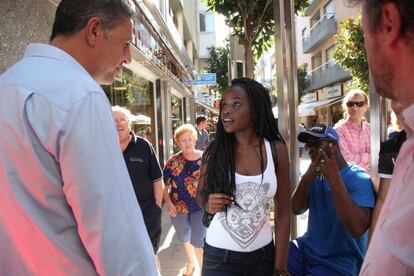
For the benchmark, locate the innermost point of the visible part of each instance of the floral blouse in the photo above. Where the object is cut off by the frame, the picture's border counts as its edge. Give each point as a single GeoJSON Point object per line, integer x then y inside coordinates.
{"type": "Point", "coordinates": [182, 175]}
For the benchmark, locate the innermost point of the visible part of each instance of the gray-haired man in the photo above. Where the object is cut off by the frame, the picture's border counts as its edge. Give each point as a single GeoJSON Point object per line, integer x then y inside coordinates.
{"type": "Point", "coordinates": [67, 206]}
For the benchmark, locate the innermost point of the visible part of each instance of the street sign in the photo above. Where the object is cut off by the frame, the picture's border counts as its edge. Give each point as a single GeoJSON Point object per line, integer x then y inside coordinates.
{"type": "Point", "coordinates": [202, 79]}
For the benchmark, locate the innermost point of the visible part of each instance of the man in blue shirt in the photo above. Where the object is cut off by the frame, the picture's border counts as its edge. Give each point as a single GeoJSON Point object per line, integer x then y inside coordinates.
{"type": "Point", "coordinates": [202, 134]}
{"type": "Point", "coordinates": [340, 198]}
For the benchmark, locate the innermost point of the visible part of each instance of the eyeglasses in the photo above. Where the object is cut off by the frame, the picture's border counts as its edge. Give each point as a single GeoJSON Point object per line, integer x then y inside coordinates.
{"type": "Point", "coordinates": [316, 143]}
{"type": "Point", "coordinates": [187, 167]}
{"type": "Point", "coordinates": [358, 104]}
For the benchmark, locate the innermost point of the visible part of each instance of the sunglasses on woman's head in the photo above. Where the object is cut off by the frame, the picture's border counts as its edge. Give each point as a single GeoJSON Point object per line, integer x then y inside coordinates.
{"type": "Point", "coordinates": [358, 104]}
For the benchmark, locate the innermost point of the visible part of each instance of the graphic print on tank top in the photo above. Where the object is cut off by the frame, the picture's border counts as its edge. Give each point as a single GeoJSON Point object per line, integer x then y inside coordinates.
{"type": "Point", "coordinates": [243, 226]}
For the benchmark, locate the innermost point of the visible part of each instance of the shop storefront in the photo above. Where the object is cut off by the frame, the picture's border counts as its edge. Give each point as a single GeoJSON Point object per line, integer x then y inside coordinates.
{"type": "Point", "coordinates": [177, 119]}
{"type": "Point", "coordinates": [136, 94]}
{"type": "Point", "coordinates": [322, 106]}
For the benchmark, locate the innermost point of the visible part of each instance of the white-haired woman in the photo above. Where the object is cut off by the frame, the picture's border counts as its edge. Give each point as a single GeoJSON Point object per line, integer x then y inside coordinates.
{"type": "Point", "coordinates": [181, 174]}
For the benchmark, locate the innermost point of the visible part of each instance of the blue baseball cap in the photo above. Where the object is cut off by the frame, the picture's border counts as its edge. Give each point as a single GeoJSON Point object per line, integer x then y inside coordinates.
{"type": "Point", "coordinates": [317, 132]}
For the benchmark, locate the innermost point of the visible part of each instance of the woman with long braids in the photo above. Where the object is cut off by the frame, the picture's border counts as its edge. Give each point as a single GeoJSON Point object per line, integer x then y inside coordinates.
{"type": "Point", "coordinates": [244, 168]}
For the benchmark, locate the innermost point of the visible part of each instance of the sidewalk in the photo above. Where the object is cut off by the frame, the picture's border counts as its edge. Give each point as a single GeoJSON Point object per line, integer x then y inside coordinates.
{"type": "Point", "coordinates": [171, 252]}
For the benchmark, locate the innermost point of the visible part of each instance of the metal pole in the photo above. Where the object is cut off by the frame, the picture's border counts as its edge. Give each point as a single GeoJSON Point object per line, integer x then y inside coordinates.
{"type": "Point", "coordinates": [378, 121]}
{"type": "Point", "coordinates": [287, 86]}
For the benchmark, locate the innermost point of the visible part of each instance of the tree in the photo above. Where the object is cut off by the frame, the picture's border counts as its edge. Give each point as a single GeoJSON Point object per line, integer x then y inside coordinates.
{"type": "Point", "coordinates": [350, 52]}
{"type": "Point", "coordinates": [253, 24]}
{"type": "Point", "coordinates": [303, 80]}
{"type": "Point", "coordinates": [218, 63]}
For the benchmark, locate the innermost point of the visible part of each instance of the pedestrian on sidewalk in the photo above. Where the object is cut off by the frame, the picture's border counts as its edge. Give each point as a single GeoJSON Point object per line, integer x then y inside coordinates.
{"type": "Point", "coordinates": [389, 40]}
{"type": "Point", "coordinates": [340, 199]}
{"type": "Point", "coordinates": [354, 131]}
{"type": "Point", "coordinates": [244, 168]}
{"type": "Point", "coordinates": [181, 174]}
{"type": "Point", "coordinates": [145, 173]}
{"type": "Point", "coordinates": [388, 153]}
{"type": "Point", "coordinates": [202, 134]}
{"type": "Point", "coordinates": [67, 206]}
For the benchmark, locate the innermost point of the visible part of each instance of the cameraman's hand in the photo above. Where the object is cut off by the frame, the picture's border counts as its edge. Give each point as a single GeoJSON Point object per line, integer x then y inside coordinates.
{"type": "Point", "coordinates": [328, 165]}
{"type": "Point", "coordinates": [314, 167]}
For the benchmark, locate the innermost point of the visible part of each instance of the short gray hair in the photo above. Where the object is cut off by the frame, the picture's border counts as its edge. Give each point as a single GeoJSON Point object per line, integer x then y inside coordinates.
{"type": "Point", "coordinates": [73, 15]}
{"type": "Point", "coordinates": [124, 111]}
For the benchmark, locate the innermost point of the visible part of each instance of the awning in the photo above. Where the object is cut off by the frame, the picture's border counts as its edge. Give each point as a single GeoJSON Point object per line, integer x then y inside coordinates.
{"type": "Point", "coordinates": [141, 119]}
{"type": "Point", "coordinates": [212, 109]}
{"type": "Point", "coordinates": [334, 101]}
{"type": "Point", "coordinates": [308, 109]}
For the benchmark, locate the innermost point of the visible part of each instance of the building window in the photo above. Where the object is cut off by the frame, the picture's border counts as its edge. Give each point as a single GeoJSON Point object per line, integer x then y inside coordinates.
{"type": "Point", "coordinates": [176, 116]}
{"type": "Point", "coordinates": [239, 68]}
{"type": "Point", "coordinates": [315, 19]}
{"type": "Point", "coordinates": [317, 61]}
{"type": "Point", "coordinates": [329, 9]}
{"type": "Point", "coordinates": [330, 61]}
{"type": "Point", "coordinates": [206, 22]}
{"type": "Point", "coordinates": [136, 94]}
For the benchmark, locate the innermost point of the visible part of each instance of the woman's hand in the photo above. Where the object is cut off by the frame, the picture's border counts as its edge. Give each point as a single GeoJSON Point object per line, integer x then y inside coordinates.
{"type": "Point", "coordinates": [216, 202]}
{"type": "Point", "coordinates": [171, 209]}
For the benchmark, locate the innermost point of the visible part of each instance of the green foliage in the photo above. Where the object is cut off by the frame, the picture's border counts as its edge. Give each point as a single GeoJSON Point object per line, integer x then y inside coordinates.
{"type": "Point", "coordinates": [218, 63]}
{"type": "Point", "coordinates": [127, 85]}
{"type": "Point", "coordinates": [252, 22]}
{"type": "Point", "coordinates": [350, 52]}
{"type": "Point", "coordinates": [303, 80]}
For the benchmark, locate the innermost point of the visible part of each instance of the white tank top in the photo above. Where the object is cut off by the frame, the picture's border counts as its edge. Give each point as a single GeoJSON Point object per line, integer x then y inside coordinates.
{"type": "Point", "coordinates": [248, 229]}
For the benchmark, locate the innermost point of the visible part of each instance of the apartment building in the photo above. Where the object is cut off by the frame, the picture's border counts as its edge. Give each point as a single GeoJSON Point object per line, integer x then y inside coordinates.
{"type": "Point", "coordinates": [212, 31]}
{"type": "Point", "coordinates": [328, 82]}
{"type": "Point", "coordinates": [164, 52]}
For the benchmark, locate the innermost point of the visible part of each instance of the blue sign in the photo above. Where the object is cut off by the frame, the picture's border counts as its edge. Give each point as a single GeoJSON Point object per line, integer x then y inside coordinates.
{"type": "Point", "coordinates": [202, 79]}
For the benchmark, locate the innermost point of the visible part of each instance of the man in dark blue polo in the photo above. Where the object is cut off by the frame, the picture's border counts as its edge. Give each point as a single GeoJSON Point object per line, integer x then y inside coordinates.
{"type": "Point", "coordinates": [145, 172]}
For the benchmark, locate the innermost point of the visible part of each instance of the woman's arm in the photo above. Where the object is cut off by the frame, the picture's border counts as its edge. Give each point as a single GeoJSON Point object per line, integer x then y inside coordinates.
{"type": "Point", "coordinates": [166, 194]}
{"type": "Point", "coordinates": [200, 185]}
{"type": "Point", "coordinates": [282, 207]}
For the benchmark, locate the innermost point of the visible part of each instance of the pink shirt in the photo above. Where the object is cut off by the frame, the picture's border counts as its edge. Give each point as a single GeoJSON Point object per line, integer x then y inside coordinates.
{"type": "Point", "coordinates": [355, 143]}
{"type": "Point", "coordinates": [391, 251]}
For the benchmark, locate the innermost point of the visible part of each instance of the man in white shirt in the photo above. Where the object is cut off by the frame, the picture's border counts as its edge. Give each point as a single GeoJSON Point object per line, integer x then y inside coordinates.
{"type": "Point", "coordinates": [67, 206]}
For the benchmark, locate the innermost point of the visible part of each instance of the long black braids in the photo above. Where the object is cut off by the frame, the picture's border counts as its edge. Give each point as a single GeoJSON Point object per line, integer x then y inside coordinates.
{"type": "Point", "coordinates": [219, 155]}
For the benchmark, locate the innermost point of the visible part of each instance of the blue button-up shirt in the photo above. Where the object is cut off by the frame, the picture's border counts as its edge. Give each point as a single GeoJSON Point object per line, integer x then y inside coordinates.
{"type": "Point", "coordinates": [67, 206]}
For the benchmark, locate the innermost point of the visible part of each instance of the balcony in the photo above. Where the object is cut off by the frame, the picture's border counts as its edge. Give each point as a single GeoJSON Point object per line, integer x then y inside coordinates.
{"type": "Point", "coordinates": [312, 7]}
{"type": "Point", "coordinates": [327, 74]}
{"type": "Point", "coordinates": [325, 28]}
{"type": "Point", "coordinates": [179, 41]}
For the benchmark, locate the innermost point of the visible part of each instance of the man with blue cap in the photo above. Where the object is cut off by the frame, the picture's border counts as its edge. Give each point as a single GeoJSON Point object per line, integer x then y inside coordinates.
{"type": "Point", "coordinates": [340, 198]}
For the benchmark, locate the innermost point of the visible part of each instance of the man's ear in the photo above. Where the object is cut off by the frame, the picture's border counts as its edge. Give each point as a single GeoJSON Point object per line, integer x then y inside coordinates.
{"type": "Point", "coordinates": [94, 31]}
{"type": "Point", "coordinates": [390, 23]}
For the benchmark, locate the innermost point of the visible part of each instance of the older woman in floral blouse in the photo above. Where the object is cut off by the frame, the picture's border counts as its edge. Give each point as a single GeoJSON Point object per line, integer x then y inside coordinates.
{"type": "Point", "coordinates": [181, 174]}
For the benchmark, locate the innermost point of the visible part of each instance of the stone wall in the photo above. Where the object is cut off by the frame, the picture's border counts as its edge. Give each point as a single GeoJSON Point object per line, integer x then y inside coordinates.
{"type": "Point", "coordinates": [23, 22]}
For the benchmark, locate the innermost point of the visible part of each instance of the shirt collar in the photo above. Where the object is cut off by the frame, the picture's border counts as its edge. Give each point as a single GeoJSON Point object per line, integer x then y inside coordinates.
{"type": "Point", "coordinates": [351, 124]}
{"type": "Point", "coordinates": [408, 115]}
{"type": "Point", "coordinates": [50, 51]}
